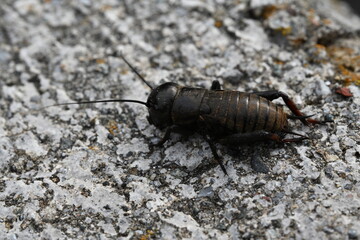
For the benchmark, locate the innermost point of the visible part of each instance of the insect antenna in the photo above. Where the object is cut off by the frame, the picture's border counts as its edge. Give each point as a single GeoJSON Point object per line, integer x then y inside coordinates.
{"type": "Point", "coordinates": [109, 100]}
{"type": "Point", "coordinates": [97, 101]}
{"type": "Point", "coordinates": [136, 72]}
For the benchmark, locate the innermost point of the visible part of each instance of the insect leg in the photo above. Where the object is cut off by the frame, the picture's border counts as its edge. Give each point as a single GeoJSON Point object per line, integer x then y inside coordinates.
{"type": "Point", "coordinates": [271, 95]}
{"type": "Point", "coordinates": [241, 138]}
{"type": "Point", "coordinates": [164, 138]}
{"type": "Point", "coordinates": [277, 138]}
{"type": "Point", "coordinates": [215, 85]}
{"type": "Point", "coordinates": [214, 152]}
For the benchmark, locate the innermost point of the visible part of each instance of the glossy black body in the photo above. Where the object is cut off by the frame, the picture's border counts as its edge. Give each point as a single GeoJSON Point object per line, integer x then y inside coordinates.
{"type": "Point", "coordinates": [214, 112]}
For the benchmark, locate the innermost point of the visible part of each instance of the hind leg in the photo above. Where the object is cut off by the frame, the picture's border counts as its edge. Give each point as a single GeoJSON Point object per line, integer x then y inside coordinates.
{"type": "Point", "coordinates": [256, 162]}
{"type": "Point", "coordinates": [271, 95]}
{"type": "Point", "coordinates": [241, 138]}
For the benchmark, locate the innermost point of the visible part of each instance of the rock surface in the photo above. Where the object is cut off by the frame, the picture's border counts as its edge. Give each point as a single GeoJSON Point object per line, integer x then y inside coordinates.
{"type": "Point", "coordinates": [87, 171]}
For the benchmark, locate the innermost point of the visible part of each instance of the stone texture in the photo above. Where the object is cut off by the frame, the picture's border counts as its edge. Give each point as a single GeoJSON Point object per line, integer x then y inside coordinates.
{"type": "Point", "coordinates": [88, 172]}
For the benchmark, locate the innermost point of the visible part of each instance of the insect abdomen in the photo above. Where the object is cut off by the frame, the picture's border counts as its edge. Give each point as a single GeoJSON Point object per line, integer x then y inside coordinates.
{"type": "Point", "coordinates": [243, 112]}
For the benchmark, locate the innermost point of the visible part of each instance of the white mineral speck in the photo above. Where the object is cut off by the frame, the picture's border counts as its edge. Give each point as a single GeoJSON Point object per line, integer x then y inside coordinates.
{"type": "Point", "coordinates": [30, 144]}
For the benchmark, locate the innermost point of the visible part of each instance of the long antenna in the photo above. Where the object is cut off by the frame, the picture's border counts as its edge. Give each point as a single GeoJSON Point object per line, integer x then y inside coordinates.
{"type": "Point", "coordinates": [136, 72]}
{"type": "Point", "coordinates": [109, 100]}
{"type": "Point", "coordinates": [98, 101]}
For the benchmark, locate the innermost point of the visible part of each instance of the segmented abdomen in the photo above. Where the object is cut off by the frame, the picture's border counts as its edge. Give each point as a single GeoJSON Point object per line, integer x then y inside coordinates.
{"type": "Point", "coordinates": [243, 112]}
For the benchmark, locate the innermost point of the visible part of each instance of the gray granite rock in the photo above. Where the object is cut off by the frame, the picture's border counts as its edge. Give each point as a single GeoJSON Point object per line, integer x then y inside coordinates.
{"type": "Point", "coordinates": [88, 171]}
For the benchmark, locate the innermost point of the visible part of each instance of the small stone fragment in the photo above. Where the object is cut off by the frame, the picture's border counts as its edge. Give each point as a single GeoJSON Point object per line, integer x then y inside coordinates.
{"type": "Point", "coordinates": [344, 91]}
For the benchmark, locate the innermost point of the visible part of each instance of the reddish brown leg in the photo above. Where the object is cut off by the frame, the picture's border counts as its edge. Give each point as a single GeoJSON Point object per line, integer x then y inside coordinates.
{"type": "Point", "coordinates": [271, 95]}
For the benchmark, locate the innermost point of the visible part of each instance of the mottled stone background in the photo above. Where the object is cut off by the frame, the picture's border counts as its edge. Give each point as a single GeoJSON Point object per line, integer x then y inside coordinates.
{"type": "Point", "coordinates": [87, 171]}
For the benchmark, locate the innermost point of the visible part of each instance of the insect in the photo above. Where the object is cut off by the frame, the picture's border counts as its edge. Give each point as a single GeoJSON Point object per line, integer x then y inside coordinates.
{"type": "Point", "coordinates": [224, 116]}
